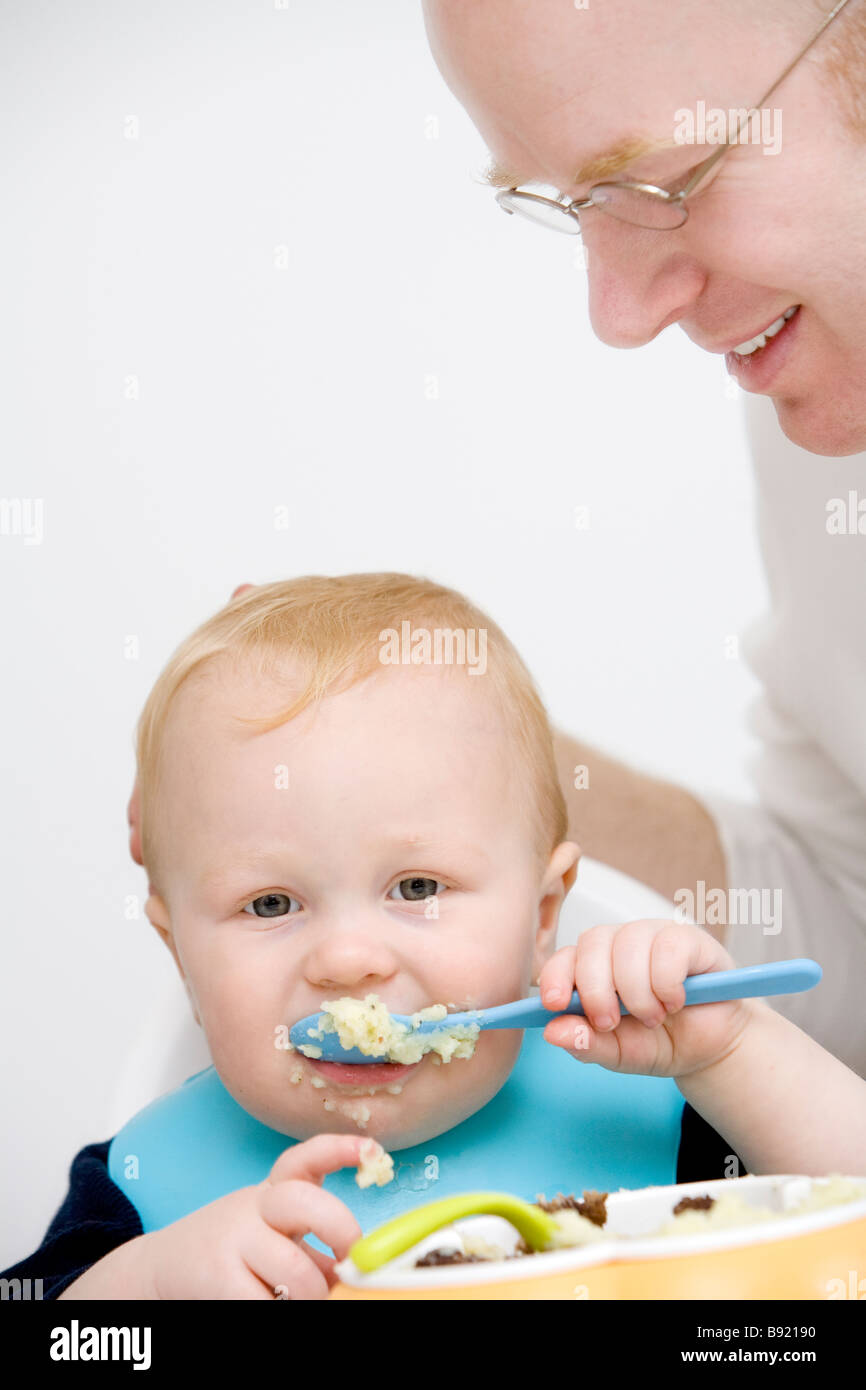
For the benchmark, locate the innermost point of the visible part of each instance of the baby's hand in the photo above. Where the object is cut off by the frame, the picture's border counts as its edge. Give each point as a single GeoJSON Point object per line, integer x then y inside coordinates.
{"type": "Point", "coordinates": [250, 1243]}
{"type": "Point", "coordinates": [644, 963]}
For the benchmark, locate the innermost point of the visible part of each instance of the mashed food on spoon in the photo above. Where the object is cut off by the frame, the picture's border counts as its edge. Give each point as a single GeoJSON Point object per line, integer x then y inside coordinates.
{"type": "Point", "coordinates": [368, 1025]}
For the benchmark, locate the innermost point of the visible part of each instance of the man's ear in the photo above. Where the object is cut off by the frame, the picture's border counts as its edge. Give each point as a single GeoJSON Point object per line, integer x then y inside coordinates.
{"type": "Point", "coordinates": [157, 914]}
{"type": "Point", "coordinates": [557, 883]}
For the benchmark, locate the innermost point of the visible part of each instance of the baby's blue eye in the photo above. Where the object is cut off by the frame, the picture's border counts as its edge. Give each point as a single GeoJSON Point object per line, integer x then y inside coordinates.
{"type": "Point", "coordinates": [271, 905]}
{"type": "Point", "coordinates": [415, 890]}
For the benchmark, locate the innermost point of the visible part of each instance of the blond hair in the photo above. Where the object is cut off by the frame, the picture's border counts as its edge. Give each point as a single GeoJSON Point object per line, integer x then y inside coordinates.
{"type": "Point", "coordinates": [333, 628]}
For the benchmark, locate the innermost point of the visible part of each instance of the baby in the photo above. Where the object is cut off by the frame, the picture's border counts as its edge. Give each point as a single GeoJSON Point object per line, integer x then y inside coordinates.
{"type": "Point", "coordinates": [323, 816]}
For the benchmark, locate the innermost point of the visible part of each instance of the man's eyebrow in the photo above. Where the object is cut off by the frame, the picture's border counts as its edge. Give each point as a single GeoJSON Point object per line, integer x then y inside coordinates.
{"type": "Point", "coordinates": [601, 166]}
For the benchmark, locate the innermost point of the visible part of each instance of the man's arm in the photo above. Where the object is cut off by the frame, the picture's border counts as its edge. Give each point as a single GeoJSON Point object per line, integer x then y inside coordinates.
{"type": "Point", "coordinates": [655, 831]}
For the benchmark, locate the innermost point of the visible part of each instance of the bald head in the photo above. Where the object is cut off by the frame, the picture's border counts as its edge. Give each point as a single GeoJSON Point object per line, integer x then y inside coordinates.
{"type": "Point", "coordinates": [565, 95]}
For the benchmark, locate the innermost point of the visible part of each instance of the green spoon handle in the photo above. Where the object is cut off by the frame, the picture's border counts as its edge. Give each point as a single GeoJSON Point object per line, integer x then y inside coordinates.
{"type": "Point", "coordinates": [391, 1239]}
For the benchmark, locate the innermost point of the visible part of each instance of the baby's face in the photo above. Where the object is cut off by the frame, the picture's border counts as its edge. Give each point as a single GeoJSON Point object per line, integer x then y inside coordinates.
{"type": "Point", "coordinates": [299, 865]}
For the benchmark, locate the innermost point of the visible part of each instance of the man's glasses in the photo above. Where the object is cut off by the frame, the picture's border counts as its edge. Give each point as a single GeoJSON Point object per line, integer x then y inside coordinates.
{"type": "Point", "coordinates": [642, 204]}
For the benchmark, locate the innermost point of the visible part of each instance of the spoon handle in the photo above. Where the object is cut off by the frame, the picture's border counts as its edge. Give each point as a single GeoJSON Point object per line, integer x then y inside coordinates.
{"type": "Point", "coordinates": [746, 982]}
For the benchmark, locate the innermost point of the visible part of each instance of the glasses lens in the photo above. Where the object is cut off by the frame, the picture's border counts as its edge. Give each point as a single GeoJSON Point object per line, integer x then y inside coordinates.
{"type": "Point", "coordinates": [636, 205]}
{"type": "Point", "coordinates": [537, 209]}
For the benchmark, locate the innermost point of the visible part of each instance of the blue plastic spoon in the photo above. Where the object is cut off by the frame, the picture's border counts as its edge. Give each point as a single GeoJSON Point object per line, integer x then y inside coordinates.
{"type": "Point", "coordinates": [747, 982]}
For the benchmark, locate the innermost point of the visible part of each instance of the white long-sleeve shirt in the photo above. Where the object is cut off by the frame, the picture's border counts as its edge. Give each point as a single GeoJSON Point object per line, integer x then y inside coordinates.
{"type": "Point", "coordinates": [806, 839]}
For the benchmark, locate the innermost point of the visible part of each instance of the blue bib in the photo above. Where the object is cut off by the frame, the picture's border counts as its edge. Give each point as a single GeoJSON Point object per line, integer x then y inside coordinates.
{"type": "Point", "coordinates": [557, 1125]}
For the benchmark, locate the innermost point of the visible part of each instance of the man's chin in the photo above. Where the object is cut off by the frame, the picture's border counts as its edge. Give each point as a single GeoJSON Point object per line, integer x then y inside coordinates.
{"type": "Point", "coordinates": [825, 429]}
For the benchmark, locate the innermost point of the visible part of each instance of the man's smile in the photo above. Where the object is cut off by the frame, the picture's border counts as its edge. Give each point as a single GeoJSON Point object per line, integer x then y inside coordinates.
{"type": "Point", "coordinates": [750, 345]}
{"type": "Point", "coordinates": [745, 346]}
{"type": "Point", "coordinates": [759, 367]}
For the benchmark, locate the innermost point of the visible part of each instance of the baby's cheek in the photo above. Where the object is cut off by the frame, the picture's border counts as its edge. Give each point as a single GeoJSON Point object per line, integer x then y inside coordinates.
{"type": "Point", "coordinates": [238, 1044]}
{"type": "Point", "coordinates": [498, 976]}
{"type": "Point", "coordinates": [488, 1068]}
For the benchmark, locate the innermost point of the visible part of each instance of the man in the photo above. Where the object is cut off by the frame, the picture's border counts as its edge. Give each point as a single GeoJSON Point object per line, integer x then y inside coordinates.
{"type": "Point", "coordinates": [572, 94]}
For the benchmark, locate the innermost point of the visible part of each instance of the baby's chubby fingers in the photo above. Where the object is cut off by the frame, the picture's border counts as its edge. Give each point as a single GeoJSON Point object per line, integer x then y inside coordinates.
{"type": "Point", "coordinates": [652, 958]}
{"type": "Point", "coordinates": [634, 949]}
{"type": "Point", "coordinates": [292, 1199]}
{"type": "Point", "coordinates": [592, 977]}
{"type": "Point", "coordinates": [643, 965]}
{"type": "Point", "coordinates": [587, 968]}
{"type": "Point", "coordinates": [556, 980]}
{"type": "Point", "coordinates": [574, 1034]}
{"type": "Point", "coordinates": [556, 986]}
{"type": "Point", "coordinates": [312, 1160]}
{"type": "Point", "coordinates": [284, 1266]}
{"type": "Point", "coordinates": [678, 950]}
{"type": "Point", "coordinates": [297, 1209]}
{"type": "Point", "coordinates": [628, 1048]}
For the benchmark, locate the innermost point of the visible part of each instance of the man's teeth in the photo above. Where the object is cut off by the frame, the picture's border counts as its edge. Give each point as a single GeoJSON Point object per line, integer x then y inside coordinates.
{"type": "Point", "coordinates": [753, 343]}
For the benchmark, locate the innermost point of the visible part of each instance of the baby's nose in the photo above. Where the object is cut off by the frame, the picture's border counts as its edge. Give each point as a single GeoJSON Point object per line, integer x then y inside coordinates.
{"type": "Point", "coordinates": [350, 957]}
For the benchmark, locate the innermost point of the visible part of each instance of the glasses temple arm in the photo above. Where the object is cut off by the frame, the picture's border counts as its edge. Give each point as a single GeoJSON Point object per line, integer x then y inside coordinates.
{"type": "Point", "coordinates": [707, 165]}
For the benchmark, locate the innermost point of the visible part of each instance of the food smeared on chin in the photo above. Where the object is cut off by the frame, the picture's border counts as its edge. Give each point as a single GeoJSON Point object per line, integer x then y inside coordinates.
{"type": "Point", "coordinates": [368, 1025]}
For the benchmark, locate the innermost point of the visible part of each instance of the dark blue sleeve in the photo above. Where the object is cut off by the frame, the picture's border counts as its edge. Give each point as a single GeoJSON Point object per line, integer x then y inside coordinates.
{"type": "Point", "coordinates": [94, 1219]}
{"type": "Point", "coordinates": [703, 1153]}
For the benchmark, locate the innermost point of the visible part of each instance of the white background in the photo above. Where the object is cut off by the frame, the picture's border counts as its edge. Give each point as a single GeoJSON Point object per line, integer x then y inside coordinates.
{"type": "Point", "coordinates": [418, 386]}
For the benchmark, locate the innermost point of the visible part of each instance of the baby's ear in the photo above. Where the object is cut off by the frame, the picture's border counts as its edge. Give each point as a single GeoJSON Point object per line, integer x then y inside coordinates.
{"type": "Point", "coordinates": [157, 914]}
{"type": "Point", "coordinates": [557, 883]}
{"type": "Point", "coordinates": [562, 869]}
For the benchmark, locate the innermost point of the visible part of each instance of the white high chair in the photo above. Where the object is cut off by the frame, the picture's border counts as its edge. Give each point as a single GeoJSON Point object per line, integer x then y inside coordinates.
{"type": "Point", "coordinates": [173, 1047]}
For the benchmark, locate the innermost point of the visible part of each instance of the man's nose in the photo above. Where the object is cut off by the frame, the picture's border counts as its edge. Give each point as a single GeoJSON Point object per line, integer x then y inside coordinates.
{"type": "Point", "coordinates": [640, 280]}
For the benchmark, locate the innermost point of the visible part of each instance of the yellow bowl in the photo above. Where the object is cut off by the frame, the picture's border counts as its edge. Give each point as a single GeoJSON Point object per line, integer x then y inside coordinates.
{"type": "Point", "coordinates": [817, 1255]}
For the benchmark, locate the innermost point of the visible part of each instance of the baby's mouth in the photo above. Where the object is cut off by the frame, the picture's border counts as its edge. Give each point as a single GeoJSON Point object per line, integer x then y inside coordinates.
{"type": "Point", "coordinates": [362, 1074]}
